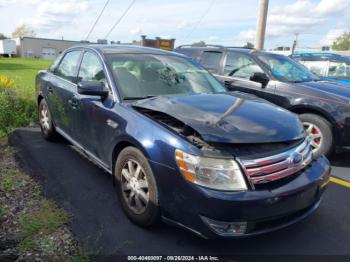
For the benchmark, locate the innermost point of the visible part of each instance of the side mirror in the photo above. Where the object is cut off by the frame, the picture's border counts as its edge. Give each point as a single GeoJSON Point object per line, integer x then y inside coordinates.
{"type": "Point", "coordinates": [93, 88]}
{"type": "Point", "coordinates": [260, 78]}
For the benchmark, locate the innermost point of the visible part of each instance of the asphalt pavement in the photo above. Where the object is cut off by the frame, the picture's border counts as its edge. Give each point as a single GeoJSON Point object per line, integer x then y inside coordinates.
{"type": "Point", "coordinates": [98, 222]}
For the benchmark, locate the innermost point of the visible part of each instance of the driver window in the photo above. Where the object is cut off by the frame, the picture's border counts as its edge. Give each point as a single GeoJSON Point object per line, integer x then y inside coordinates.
{"type": "Point", "coordinates": [239, 65]}
{"type": "Point", "coordinates": [91, 69]}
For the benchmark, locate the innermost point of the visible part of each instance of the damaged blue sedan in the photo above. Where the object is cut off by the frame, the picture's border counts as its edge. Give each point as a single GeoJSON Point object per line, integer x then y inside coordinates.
{"type": "Point", "coordinates": [179, 146]}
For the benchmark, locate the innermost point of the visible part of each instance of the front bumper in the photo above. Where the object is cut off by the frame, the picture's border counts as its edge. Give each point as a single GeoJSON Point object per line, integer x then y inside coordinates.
{"type": "Point", "coordinates": [261, 210]}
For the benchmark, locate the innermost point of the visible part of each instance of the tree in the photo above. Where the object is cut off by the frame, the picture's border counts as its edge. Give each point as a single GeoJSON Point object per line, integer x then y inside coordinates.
{"type": "Point", "coordinates": [2, 36]}
{"type": "Point", "coordinates": [23, 30]}
{"type": "Point", "coordinates": [342, 42]}
{"type": "Point", "coordinates": [249, 45]}
{"type": "Point", "coordinates": [199, 43]}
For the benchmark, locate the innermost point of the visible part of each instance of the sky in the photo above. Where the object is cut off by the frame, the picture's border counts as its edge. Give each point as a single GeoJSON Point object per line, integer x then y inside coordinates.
{"type": "Point", "coordinates": [224, 22]}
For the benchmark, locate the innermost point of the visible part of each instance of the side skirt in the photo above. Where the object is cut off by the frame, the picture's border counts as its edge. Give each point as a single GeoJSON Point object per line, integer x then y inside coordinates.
{"type": "Point", "coordinates": [88, 154]}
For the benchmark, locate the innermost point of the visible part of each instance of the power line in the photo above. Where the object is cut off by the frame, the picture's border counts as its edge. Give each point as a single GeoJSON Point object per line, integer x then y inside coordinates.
{"type": "Point", "coordinates": [97, 19]}
{"type": "Point", "coordinates": [199, 21]}
{"type": "Point", "coordinates": [120, 18]}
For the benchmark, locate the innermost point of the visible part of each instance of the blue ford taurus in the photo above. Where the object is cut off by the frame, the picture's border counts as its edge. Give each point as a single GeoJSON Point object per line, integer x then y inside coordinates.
{"type": "Point", "coordinates": [179, 146]}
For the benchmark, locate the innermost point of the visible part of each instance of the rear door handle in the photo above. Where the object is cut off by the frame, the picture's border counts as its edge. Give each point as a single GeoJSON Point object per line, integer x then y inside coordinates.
{"type": "Point", "coordinates": [74, 102]}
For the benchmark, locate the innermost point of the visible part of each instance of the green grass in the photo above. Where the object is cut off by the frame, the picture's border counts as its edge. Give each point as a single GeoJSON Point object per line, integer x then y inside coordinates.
{"type": "Point", "coordinates": [7, 184]}
{"type": "Point", "coordinates": [3, 212]}
{"type": "Point", "coordinates": [43, 221]}
{"type": "Point", "coordinates": [17, 92]}
{"type": "Point", "coordinates": [23, 71]}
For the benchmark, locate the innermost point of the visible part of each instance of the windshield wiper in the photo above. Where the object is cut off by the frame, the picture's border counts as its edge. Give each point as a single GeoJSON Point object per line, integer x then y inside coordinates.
{"type": "Point", "coordinates": [138, 97]}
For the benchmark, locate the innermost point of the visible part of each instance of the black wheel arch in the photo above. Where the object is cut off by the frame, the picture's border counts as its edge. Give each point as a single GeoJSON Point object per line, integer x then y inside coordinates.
{"type": "Point", "coordinates": [306, 109]}
{"type": "Point", "coordinates": [123, 143]}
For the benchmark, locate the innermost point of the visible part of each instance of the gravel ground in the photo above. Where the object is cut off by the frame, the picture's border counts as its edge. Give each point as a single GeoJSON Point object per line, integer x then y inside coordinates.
{"type": "Point", "coordinates": [32, 228]}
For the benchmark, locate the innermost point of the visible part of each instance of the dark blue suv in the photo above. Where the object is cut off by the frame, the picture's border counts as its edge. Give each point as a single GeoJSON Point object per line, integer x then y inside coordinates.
{"type": "Point", "coordinates": [178, 145]}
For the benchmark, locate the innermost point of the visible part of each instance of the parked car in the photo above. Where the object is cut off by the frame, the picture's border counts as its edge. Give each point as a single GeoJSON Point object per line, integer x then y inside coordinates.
{"type": "Point", "coordinates": [327, 66]}
{"type": "Point", "coordinates": [178, 145]}
{"type": "Point", "coordinates": [323, 106]}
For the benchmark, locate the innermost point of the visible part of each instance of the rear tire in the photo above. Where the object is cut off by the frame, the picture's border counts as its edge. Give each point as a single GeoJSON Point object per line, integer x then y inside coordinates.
{"type": "Point", "coordinates": [320, 133]}
{"type": "Point", "coordinates": [45, 120]}
{"type": "Point", "coordinates": [136, 187]}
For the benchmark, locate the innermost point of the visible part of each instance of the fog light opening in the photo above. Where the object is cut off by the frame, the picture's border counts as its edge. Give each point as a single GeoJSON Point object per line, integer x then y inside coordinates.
{"type": "Point", "coordinates": [226, 228]}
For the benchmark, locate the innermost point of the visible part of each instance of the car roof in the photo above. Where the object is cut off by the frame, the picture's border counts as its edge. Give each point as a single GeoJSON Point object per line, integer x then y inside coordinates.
{"type": "Point", "coordinates": [215, 48]}
{"type": "Point", "coordinates": [126, 49]}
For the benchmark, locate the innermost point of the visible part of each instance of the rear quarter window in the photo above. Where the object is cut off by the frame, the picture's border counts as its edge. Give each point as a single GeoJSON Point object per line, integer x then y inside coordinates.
{"type": "Point", "coordinates": [210, 60]}
{"type": "Point", "coordinates": [192, 53]}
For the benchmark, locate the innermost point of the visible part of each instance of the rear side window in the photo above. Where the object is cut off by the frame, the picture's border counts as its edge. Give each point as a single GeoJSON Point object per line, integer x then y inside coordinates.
{"type": "Point", "coordinates": [91, 68]}
{"type": "Point", "coordinates": [68, 68]}
{"type": "Point", "coordinates": [210, 60]}
{"type": "Point", "coordinates": [55, 63]}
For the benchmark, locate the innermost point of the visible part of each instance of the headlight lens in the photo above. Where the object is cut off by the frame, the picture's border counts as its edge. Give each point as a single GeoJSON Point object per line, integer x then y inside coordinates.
{"type": "Point", "coordinates": [220, 174]}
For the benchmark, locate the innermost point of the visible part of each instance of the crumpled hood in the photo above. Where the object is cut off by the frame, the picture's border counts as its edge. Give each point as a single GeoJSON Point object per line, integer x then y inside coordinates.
{"type": "Point", "coordinates": [333, 88]}
{"type": "Point", "coordinates": [228, 118]}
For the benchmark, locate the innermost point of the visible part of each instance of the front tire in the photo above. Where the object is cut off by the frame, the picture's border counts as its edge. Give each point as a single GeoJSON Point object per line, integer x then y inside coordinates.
{"type": "Point", "coordinates": [45, 120]}
{"type": "Point", "coordinates": [320, 133]}
{"type": "Point", "coordinates": [136, 187]}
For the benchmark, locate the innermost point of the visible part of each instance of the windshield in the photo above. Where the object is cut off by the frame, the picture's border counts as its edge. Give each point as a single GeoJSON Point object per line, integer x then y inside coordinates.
{"type": "Point", "coordinates": [287, 70]}
{"type": "Point", "coordinates": [143, 75]}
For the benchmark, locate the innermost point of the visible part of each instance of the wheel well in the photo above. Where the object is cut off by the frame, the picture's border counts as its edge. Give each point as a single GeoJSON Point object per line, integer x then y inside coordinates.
{"type": "Point", "coordinates": [40, 97]}
{"type": "Point", "coordinates": [119, 147]}
{"type": "Point", "coordinates": [303, 110]}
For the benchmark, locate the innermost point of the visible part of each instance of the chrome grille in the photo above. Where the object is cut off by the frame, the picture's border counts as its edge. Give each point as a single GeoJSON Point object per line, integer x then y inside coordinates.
{"type": "Point", "coordinates": [275, 167]}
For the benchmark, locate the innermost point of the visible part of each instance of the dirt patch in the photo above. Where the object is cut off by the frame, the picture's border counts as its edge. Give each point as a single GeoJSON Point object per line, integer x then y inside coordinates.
{"type": "Point", "coordinates": [31, 226]}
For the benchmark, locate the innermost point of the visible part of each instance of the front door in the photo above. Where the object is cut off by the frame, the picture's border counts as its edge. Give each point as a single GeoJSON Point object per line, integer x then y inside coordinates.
{"type": "Point", "coordinates": [237, 71]}
{"type": "Point", "coordinates": [92, 116]}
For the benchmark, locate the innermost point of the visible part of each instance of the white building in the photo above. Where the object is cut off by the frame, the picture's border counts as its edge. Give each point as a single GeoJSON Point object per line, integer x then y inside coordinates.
{"type": "Point", "coordinates": [43, 47]}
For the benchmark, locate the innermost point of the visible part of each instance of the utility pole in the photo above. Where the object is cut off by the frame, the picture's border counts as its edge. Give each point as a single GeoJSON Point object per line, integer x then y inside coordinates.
{"type": "Point", "coordinates": [261, 24]}
{"type": "Point", "coordinates": [295, 43]}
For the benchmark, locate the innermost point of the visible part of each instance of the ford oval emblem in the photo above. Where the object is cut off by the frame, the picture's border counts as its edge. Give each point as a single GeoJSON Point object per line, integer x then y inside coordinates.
{"type": "Point", "coordinates": [297, 159]}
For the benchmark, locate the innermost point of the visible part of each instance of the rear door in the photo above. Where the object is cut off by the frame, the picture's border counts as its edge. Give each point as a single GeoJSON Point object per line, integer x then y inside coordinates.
{"type": "Point", "coordinates": [60, 87]}
{"type": "Point", "coordinates": [238, 68]}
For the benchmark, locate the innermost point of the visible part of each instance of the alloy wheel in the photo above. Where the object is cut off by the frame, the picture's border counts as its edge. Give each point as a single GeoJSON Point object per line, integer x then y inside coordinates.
{"type": "Point", "coordinates": [135, 188]}
{"type": "Point", "coordinates": [315, 135]}
{"type": "Point", "coordinates": [44, 117]}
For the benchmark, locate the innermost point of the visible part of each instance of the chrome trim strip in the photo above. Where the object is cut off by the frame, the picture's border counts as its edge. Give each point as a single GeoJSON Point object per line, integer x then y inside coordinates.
{"type": "Point", "coordinates": [278, 166]}
{"type": "Point", "coordinates": [95, 159]}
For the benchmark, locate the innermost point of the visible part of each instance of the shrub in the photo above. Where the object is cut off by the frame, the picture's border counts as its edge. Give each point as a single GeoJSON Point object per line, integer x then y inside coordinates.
{"type": "Point", "coordinates": [6, 83]}
{"type": "Point", "coordinates": [15, 111]}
